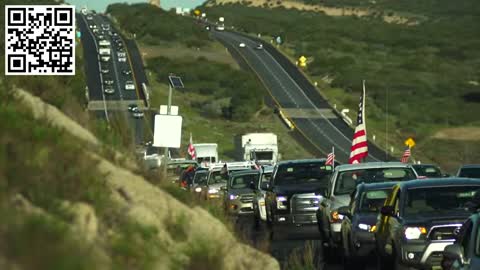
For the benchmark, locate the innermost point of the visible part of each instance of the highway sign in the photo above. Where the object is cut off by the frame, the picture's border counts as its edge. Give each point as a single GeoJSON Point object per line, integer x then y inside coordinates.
{"type": "Point", "coordinates": [175, 82]}
{"type": "Point", "coordinates": [410, 142]}
{"type": "Point", "coordinates": [167, 131]}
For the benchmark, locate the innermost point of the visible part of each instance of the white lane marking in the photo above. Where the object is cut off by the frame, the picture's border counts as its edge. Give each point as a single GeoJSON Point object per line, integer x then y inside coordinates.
{"type": "Point", "coordinates": [99, 66]}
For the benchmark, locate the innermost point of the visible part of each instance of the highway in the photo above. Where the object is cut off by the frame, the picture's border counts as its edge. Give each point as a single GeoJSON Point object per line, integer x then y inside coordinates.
{"type": "Point", "coordinates": [312, 115]}
{"type": "Point", "coordinates": [113, 105]}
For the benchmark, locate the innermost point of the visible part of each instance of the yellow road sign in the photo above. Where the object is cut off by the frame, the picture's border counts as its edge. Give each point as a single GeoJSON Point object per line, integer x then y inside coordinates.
{"type": "Point", "coordinates": [197, 12]}
{"type": "Point", "coordinates": [410, 142]}
{"type": "Point", "coordinates": [302, 59]}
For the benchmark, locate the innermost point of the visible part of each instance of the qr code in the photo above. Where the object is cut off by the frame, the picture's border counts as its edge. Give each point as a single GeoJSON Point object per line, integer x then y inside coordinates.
{"type": "Point", "coordinates": [39, 40]}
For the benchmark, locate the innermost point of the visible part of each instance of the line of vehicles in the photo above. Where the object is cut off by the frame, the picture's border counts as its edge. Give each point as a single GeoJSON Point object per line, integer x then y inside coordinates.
{"type": "Point", "coordinates": [109, 43]}
{"type": "Point", "coordinates": [400, 216]}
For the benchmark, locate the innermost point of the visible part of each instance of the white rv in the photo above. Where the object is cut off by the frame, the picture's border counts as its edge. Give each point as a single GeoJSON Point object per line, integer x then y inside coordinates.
{"type": "Point", "coordinates": [260, 147]}
{"type": "Point", "coordinates": [206, 153]}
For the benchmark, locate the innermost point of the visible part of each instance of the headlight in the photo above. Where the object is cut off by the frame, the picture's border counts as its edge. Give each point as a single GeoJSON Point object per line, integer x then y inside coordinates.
{"type": "Point", "coordinates": [366, 227]}
{"type": "Point", "coordinates": [281, 202]}
{"type": "Point", "coordinates": [414, 232]}
{"type": "Point", "coordinates": [233, 197]}
{"type": "Point", "coordinates": [213, 190]}
{"type": "Point", "coordinates": [198, 189]}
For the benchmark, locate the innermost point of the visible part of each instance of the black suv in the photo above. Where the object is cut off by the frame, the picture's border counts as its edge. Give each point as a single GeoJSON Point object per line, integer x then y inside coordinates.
{"type": "Point", "coordinates": [419, 219]}
{"type": "Point", "coordinates": [358, 224]}
{"type": "Point", "coordinates": [293, 194]}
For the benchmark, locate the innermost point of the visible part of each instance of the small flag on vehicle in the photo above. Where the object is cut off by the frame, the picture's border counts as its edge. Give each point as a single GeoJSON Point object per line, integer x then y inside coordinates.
{"type": "Point", "coordinates": [191, 149]}
{"type": "Point", "coordinates": [406, 155]}
{"type": "Point", "coordinates": [330, 158]}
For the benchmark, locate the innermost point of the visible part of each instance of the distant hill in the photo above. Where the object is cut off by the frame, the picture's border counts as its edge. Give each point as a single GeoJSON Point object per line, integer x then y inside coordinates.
{"type": "Point", "coordinates": [424, 77]}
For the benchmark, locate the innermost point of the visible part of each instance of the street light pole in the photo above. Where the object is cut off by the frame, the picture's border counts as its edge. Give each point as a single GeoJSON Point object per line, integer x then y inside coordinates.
{"type": "Point", "coordinates": [165, 154]}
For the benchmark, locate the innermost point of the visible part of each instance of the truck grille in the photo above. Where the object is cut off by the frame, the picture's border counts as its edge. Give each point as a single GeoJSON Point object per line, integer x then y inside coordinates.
{"type": "Point", "coordinates": [246, 198]}
{"type": "Point", "coordinates": [443, 232]}
{"type": "Point", "coordinates": [304, 203]}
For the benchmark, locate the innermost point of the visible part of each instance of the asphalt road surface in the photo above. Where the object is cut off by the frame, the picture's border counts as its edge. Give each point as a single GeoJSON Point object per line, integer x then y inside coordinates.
{"type": "Point", "coordinates": [110, 106]}
{"type": "Point", "coordinates": [291, 245]}
{"type": "Point", "coordinates": [312, 115]}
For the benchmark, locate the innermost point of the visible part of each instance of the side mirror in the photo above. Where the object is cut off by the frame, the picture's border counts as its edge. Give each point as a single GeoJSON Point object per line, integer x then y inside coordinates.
{"type": "Point", "coordinates": [446, 175]}
{"type": "Point", "coordinates": [345, 211]}
{"type": "Point", "coordinates": [454, 252]}
{"type": "Point", "coordinates": [252, 186]}
{"type": "Point", "coordinates": [387, 210]}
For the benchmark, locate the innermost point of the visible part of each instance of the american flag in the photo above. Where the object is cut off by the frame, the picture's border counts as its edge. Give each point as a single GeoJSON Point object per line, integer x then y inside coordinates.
{"type": "Point", "coordinates": [191, 149]}
{"type": "Point", "coordinates": [330, 158]}
{"type": "Point", "coordinates": [406, 155]}
{"type": "Point", "coordinates": [359, 149]}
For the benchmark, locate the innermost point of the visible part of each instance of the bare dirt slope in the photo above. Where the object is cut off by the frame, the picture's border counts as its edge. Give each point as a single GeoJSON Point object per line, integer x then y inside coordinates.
{"type": "Point", "coordinates": [329, 11]}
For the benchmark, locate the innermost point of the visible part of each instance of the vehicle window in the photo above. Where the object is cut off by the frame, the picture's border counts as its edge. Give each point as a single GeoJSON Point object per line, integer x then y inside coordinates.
{"type": "Point", "coordinates": [218, 177]}
{"type": "Point", "coordinates": [302, 173]}
{"type": "Point", "coordinates": [353, 202]}
{"type": "Point", "coordinates": [243, 181]}
{"type": "Point", "coordinates": [428, 171]}
{"type": "Point", "coordinates": [266, 177]}
{"type": "Point", "coordinates": [200, 178]}
{"type": "Point", "coordinates": [373, 200]}
{"type": "Point", "coordinates": [348, 180]}
{"type": "Point", "coordinates": [470, 172]}
{"type": "Point", "coordinates": [433, 201]}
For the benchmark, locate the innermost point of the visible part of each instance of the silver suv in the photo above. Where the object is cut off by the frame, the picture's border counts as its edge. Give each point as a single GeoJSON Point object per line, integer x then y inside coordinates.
{"type": "Point", "coordinates": [238, 199]}
{"type": "Point", "coordinates": [343, 182]}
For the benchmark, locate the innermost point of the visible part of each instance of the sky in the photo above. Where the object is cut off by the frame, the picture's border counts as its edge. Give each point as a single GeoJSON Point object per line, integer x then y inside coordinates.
{"type": "Point", "coordinates": [100, 5]}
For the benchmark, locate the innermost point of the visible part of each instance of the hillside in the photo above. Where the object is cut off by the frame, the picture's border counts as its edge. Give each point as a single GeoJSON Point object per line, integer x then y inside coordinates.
{"type": "Point", "coordinates": [426, 74]}
{"type": "Point", "coordinates": [73, 196]}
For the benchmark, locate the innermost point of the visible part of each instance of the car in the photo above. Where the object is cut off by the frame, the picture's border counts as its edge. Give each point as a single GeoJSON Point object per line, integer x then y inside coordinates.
{"type": "Point", "coordinates": [199, 180]}
{"type": "Point", "coordinates": [93, 26]}
{"type": "Point", "coordinates": [358, 224]}
{"type": "Point", "coordinates": [108, 81]}
{"type": "Point", "coordinates": [419, 219]}
{"type": "Point", "coordinates": [294, 194]}
{"type": "Point", "coordinates": [89, 17]}
{"type": "Point", "coordinates": [109, 90]}
{"type": "Point", "coordinates": [126, 72]}
{"type": "Point", "coordinates": [121, 54]}
{"type": "Point", "coordinates": [122, 59]}
{"type": "Point", "coordinates": [342, 183]}
{"type": "Point", "coordinates": [464, 253]}
{"type": "Point", "coordinates": [104, 58]}
{"type": "Point", "coordinates": [428, 171]}
{"type": "Point", "coordinates": [259, 46]}
{"type": "Point", "coordinates": [132, 106]}
{"type": "Point", "coordinates": [471, 171]}
{"type": "Point", "coordinates": [104, 70]}
{"type": "Point", "coordinates": [238, 200]}
{"type": "Point", "coordinates": [137, 113]}
{"type": "Point", "coordinates": [175, 167]}
{"type": "Point", "coordinates": [218, 177]}
{"type": "Point", "coordinates": [104, 42]}
{"type": "Point", "coordinates": [260, 190]}
{"type": "Point", "coordinates": [105, 27]}
{"type": "Point", "coordinates": [242, 45]}
{"type": "Point", "coordinates": [129, 85]}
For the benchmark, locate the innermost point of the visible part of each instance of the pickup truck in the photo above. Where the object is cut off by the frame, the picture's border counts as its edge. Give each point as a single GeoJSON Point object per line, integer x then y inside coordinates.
{"type": "Point", "coordinates": [294, 194]}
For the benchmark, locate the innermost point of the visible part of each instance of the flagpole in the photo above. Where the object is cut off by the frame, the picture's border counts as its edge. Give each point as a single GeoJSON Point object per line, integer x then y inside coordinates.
{"type": "Point", "coordinates": [333, 163]}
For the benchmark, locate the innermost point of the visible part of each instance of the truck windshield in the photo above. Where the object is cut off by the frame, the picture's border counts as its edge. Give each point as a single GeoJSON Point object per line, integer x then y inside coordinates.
{"type": "Point", "coordinates": [301, 173]}
{"type": "Point", "coordinates": [267, 155]}
{"type": "Point", "coordinates": [243, 181]}
{"type": "Point", "coordinates": [218, 177]}
{"type": "Point", "coordinates": [438, 200]}
{"type": "Point", "coordinates": [373, 200]}
{"type": "Point", "coordinates": [348, 180]}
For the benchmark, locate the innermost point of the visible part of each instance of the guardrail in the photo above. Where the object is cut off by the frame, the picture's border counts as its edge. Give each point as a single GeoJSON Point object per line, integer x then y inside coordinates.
{"type": "Point", "coordinates": [286, 120]}
{"type": "Point", "coordinates": [146, 94]}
